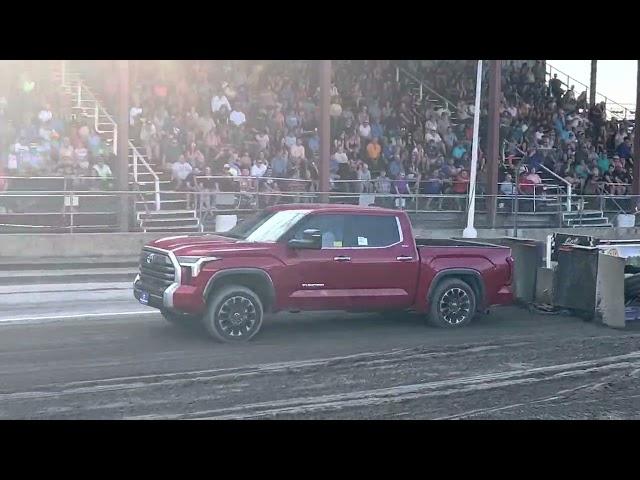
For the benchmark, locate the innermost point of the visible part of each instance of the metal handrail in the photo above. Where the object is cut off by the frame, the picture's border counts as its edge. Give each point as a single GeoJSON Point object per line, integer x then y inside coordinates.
{"type": "Point", "coordinates": [554, 174]}
{"type": "Point", "coordinates": [99, 109]}
{"type": "Point", "coordinates": [626, 111]}
{"type": "Point", "coordinates": [156, 179]}
{"type": "Point", "coordinates": [424, 85]}
{"type": "Point", "coordinates": [567, 184]}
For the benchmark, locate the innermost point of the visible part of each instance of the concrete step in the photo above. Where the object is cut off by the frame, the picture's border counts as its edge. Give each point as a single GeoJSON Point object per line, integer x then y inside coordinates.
{"type": "Point", "coordinates": [179, 228]}
{"type": "Point", "coordinates": [29, 277]}
{"type": "Point", "coordinates": [162, 214]}
{"type": "Point", "coordinates": [73, 263]}
{"type": "Point", "coordinates": [588, 221]}
{"type": "Point", "coordinates": [171, 222]}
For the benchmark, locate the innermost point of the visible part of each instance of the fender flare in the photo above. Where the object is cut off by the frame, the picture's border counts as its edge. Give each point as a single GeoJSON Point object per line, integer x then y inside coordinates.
{"type": "Point", "coordinates": [452, 272]}
{"type": "Point", "coordinates": [251, 272]}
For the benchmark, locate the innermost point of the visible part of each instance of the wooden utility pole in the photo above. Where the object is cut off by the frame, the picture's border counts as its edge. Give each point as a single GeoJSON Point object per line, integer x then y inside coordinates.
{"type": "Point", "coordinates": [122, 170]}
{"type": "Point", "coordinates": [493, 140]}
{"type": "Point", "coordinates": [636, 140]}
{"type": "Point", "coordinates": [325, 128]}
{"type": "Point", "coordinates": [592, 86]}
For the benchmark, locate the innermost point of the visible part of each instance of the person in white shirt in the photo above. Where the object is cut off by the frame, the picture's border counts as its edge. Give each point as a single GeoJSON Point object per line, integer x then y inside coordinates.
{"type": "Point", "coordinates": [217, 102]}
{"type": "Point", "coordinates": [45, 114]}
{"type": "Point", "coordinates": [340, 156]}
{"type": "Point", "coordinates": [133, 113]}
{"type": "Point", "coordinates": [263, 140]}
{"type": "Point", "coordinates": [297, 150]}
{"type": "Point", "coordinates": [237, 118]}
{"type": "Point", "coordinates": [430, 124]}
{"type": "Point", "coordinates": [365, 130]}
{"type": "Point", "coordinates": [432, 135]}
{"type": "Point", "coordinates": [180, 171]}
{"type": "Point", "coordinates": [259, 168]}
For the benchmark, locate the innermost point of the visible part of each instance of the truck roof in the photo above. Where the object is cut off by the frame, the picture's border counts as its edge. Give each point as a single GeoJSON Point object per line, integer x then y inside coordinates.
{"type": "Point", "coordinates": [322, 207]}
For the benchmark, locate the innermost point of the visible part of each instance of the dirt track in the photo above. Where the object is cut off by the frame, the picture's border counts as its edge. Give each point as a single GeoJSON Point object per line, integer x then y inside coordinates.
{"type": "Point", "coordinates": [510, 364]}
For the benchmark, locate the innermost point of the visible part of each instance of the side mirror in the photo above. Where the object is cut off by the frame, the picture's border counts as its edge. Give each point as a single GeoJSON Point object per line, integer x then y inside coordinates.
{"type": "Point", "coordinates": [311, 240]}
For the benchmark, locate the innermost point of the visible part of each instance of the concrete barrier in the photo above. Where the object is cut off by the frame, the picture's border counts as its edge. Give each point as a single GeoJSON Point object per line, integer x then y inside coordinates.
{"type": "Point", "coordinates": [73, 245]}
{"type": "Point", "coordinates": [527, 256]}
{"type": "Point", "coordinates": [610, 308]}
{"type": "Point", "coordinates": [128, 244]}
{"type": "Point", "coordinates": [591, 282]}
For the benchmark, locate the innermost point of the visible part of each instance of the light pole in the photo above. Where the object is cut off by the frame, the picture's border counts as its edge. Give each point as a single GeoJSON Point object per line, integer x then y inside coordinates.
{"type": "Point", "coordinates": [470, 231]}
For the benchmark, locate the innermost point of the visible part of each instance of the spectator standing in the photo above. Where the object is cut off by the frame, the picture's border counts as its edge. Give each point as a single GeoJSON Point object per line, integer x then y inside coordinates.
{"type": "Point", "coordinates": [374, 150]}
{"type": "Point", "coordinates": [180, 171]}
{"type": "Point", "coordinates": [280, 164]}
{"type": "Point", "coordinates": [297, 150]}
{"type": "Point", "coordinates": [237, 117]}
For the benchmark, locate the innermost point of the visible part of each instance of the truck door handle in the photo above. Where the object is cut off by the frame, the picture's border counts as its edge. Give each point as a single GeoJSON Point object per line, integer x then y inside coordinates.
{"type": "Point", "coordinates": [342, 258]}
{"type": "Point", "coordinates": [403, 258]}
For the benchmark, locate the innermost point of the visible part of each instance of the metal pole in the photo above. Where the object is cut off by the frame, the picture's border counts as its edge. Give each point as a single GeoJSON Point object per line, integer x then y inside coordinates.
{"type": "Point", "coordinates": [493, 143]}
{"type": "Point", "coordinates": [516, 205]}
{"type": "Point", "coordinates": [325, 129]}
{"type": "Point", "coordinates": [122, 170]}
{"type": "Point", "coordinates": [636, 140]}
{"type": "Point", "coordinates": [592, 85]}
{"type": "Point", "coordinates": [470, 231]}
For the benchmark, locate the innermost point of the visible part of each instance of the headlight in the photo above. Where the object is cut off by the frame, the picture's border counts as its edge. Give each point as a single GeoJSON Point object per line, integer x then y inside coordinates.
{"type": "Point", "coordinates": [195, 263]}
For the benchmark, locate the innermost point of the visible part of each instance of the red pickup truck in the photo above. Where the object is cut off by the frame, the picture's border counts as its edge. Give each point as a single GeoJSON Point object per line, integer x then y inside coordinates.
{"type": "Point", "coordinates": [319, 257]}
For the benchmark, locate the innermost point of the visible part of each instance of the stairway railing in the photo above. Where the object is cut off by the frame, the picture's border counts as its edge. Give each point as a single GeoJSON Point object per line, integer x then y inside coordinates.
{"type": "Point", "coordinates": [423, 86]}
{"type": "Point", "coordinates": [83, 92]}
{"type": "Point", "coordinates": [626, 113]}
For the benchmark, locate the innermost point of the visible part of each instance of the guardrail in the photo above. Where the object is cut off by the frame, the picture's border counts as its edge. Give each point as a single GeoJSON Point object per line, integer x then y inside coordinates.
{"type": "Point", "coordinates": [76, 210]}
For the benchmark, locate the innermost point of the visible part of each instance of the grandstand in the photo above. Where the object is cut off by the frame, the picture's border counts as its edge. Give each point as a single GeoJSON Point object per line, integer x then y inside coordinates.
{"type": "Point", "coordinates": [207, 137]}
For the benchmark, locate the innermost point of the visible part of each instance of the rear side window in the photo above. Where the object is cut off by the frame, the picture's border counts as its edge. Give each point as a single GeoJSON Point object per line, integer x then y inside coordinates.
{"type": "Point", "coordinates": [363, 231]}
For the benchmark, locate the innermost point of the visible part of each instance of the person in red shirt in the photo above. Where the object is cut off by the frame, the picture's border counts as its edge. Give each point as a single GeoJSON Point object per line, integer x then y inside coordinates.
{"type": "Point", "coordinates": [461, 187]}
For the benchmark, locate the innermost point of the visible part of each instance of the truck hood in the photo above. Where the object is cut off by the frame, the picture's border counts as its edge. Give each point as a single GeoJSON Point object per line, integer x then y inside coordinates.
{"type": "Point", "coordinates": [206, 245]}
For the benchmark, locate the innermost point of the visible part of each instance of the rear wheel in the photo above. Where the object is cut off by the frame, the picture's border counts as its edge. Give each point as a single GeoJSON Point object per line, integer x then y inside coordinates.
{"type": "Point", "coordinates": [234, 314]}
{"type": "Point", "coordinates": [453, 304]}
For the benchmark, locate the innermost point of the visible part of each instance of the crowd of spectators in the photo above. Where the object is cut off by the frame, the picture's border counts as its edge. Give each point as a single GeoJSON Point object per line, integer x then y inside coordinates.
{"type": "Point", "coordinates": [40, 136]}
{"type": "Point", "coordinates": [544, 124]}
{"type": "Point", "coordinates": [261, 119]}
{"type": "Point", "coordinates": [249, 120]}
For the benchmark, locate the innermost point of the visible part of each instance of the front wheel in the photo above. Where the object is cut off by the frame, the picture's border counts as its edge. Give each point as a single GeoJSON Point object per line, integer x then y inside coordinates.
{"type": "Point", "coordinates": [453, 304]}
{"type": "Point", "coordinates": [234, 314]}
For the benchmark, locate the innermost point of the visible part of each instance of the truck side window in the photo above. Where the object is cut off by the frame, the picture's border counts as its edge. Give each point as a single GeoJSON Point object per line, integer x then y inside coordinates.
{"type": "Point", "coordinates": [371, 231]}
{"type": "Point", "coordinates": [331, 226]}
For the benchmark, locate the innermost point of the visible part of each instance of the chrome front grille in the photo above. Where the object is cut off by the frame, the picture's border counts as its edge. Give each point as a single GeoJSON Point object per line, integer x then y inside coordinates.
{"type": "Point", "coordinates": [156, 272]}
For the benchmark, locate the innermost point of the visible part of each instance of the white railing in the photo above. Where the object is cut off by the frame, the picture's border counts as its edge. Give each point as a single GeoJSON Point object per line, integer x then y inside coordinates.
{"type": "Point", "coordinates": [84, 93]}
{"type": "Point", "coordinates": [156, 180]}
{"type": "Point", "coordinates": [567, 185]}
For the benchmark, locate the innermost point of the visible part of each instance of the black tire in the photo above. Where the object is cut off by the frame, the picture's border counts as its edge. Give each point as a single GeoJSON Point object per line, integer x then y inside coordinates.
{"type": "Point", "coordinates": [240, 303]}
{"type": "Point", "coordinates": [452, 304]}
{"type": "Point", "coordinates": [179, 319]}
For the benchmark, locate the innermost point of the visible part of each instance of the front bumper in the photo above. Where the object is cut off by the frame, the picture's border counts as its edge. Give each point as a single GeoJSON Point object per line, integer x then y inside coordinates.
{"type": "Point", "coordinates": [176, 298]}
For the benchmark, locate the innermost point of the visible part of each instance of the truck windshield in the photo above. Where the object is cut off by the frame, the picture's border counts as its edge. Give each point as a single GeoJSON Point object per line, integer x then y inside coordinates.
{"type": "Point", "coordinates": [266, 226]}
